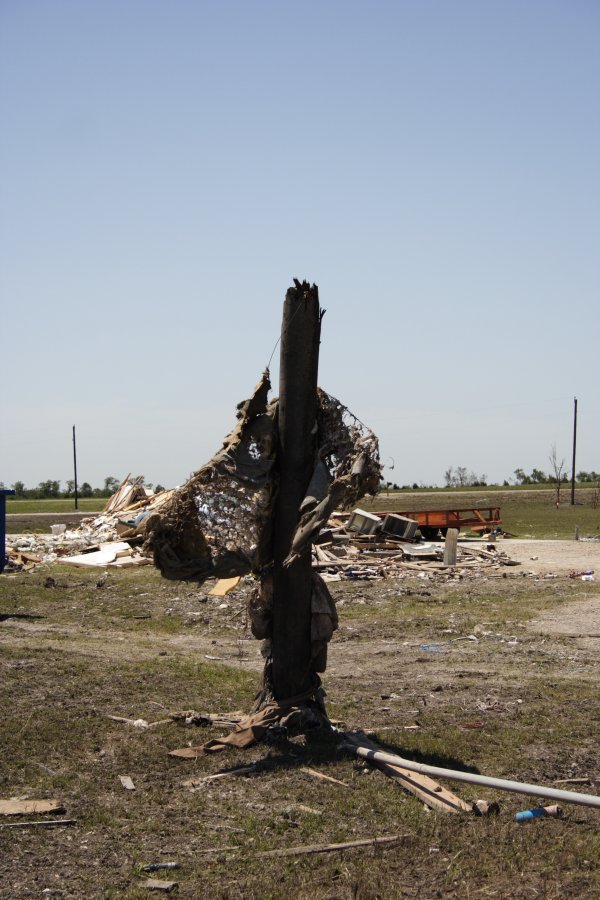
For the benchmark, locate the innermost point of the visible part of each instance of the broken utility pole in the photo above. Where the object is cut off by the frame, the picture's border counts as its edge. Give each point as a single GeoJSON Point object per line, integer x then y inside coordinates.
{"type": "Point", "coordinates": [297, 420]}
{"type": "Point", "coordinates": [258, 505]}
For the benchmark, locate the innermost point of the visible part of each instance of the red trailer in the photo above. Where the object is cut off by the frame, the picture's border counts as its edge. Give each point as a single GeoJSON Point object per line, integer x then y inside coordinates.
{"type": "Point", "coordinates": [480, 518]}
{"type": "Point", "coordinates": [433, 522]}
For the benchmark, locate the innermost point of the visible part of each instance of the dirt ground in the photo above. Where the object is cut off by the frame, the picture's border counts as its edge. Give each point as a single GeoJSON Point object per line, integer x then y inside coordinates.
{"type": "Point", "coordinates": [580, 619]}
{"type": "Point", "coordinates": [543, 557]}
{"type": "Point", "coordinates": [495, 670]}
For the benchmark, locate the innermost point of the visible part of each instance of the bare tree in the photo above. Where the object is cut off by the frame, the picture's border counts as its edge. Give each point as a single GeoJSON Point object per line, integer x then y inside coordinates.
{"type": "Point", "coordinates": [461, 476]}
{"type": "Point", "coordinates": [557, 470]}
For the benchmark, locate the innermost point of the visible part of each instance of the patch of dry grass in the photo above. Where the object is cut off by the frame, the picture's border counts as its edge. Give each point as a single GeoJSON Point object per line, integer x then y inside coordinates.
{"type": "Point", "coordinates": [526, 709]}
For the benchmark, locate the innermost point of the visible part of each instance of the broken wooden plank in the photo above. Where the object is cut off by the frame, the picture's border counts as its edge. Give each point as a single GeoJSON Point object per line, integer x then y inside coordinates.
{"type": "Point", "coordinates": [137, 723]}
{"type": "Point", "coordinates": [155, 884]}
{"type": "Point", "coordinates": [322, 777]}
{"type": "Point", "coordinates": [194, 783]}
{"type": "Point", "coordinates": [221, 720]}
{"type": "Point", "coordinates": [55, 823]}
{"type": "Point", "coordinates": [27, 807]}
{"type": "Point", "coordinates": [426, 789]}
{"type": "Point", "coordinates": [330, 848]}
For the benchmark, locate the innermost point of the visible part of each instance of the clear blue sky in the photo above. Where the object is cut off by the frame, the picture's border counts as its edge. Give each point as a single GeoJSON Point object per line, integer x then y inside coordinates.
{"type": "Point", "coordinates": [167, 168]}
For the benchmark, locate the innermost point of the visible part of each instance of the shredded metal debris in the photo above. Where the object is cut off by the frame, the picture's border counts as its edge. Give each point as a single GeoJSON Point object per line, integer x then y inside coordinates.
{"type": "Point", "coordinates": [219, 523]}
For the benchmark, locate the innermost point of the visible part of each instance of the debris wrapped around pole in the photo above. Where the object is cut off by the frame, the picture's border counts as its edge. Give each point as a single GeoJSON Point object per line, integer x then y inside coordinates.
{"type": "Point", "coordinates": [218, 524]}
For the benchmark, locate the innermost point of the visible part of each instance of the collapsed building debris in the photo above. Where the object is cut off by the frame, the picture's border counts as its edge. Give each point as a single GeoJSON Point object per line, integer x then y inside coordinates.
{"type": "Point", "coordinates": [362, 546]}
{"type": "Point", "coordinates": [340, 551]}
{"type": "Point", "coordinates": [111, 539]}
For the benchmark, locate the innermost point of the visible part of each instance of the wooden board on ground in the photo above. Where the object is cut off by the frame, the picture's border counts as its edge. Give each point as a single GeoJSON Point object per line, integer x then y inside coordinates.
{"type": "Point", "coordinates": [423, 787]}
{"type": "Point", "coordinates": [322, 777]}
{"type": "Point", "coordinates": [224, 585]}
{"type": "Point", "coordinates": [329, 848]}
{"type": "Point", "coordinates": [20, 807]}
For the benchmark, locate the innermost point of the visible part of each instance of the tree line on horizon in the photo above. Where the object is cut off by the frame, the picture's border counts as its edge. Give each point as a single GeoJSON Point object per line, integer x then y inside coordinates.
{"type": "Point", "coordinates": [51, 489]}
{"type": "Point", "coordinates": [460, 477]}
{"type": "Point", "coordinates": [454, 477]}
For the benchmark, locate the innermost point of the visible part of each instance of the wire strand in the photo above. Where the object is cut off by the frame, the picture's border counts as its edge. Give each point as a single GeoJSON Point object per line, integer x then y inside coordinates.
{"type": "Point", "coordinates": [279, 338]}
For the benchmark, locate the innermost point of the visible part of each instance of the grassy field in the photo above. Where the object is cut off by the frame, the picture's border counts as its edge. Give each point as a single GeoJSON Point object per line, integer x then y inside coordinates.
{"type": "Point", "coordinates": [85, 504]}
{"type": "Point", "coordinates": [78, 646]}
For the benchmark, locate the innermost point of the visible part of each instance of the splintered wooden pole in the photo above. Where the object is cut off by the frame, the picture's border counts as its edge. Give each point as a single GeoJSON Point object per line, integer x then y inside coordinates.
{"type": "Point", "coordinates": [299, 363]}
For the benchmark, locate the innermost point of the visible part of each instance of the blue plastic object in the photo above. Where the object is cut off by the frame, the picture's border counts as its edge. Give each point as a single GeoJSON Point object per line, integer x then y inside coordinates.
{"type": "Point", "coordinates": [530, 814]}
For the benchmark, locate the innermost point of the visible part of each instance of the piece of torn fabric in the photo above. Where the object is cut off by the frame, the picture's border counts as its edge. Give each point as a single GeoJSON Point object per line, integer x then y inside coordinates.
{"type": "Point", "coordinates": [323, 620]}
{"type": "Point", "coordinates": [347, 468]}
{"type": "Point", "coordinates": [218, 524]}
{"type": "Point", "coordinates": [249, 731]}
{"type": "Point", "coordinates": [253, 728]}
{"type": "Point", "coordinates": [260, 608]}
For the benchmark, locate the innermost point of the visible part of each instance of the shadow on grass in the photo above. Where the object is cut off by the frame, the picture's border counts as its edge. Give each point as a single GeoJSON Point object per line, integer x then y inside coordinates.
{"type": "Point", "coordinates": [323, 747]}
{"type": "Point", "coordinates": [441, 760]}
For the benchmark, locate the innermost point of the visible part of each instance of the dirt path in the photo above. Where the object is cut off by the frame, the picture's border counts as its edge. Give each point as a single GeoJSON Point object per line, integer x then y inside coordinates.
{"type": "Point", "coordinates": [544, 557]}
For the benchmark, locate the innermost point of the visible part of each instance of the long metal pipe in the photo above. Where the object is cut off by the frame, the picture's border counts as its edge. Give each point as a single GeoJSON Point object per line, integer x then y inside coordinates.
{"type": "Point", "coordinates": [500, 784]}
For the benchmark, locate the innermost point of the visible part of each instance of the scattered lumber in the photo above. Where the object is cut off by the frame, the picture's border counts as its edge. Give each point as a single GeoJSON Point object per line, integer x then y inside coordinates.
{"type": "Point", "coordinates": [352, 546]}
{"type": "Point", "coordinates": [329, 848]}
{"type": "Point", "coordinates": [426, 789]}
{"type": "Point", "coordinates": [54, 823]}
{"type": "Point", "coordinates": [349, 554]}
{"type": "Point", "coordinates": [194, 783]}
{"type": "Point", "coordinates": [322, 777]}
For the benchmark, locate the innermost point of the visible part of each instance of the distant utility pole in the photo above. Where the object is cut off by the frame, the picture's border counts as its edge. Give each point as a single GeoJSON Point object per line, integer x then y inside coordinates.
{"type": "Point", "coordinates": [574, 448]}
{"type": "Point", "coordinates": [75, 466]}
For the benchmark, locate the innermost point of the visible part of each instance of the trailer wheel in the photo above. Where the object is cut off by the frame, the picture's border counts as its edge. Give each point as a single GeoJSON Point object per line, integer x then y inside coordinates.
{"type": "Point", "coordinates": [429, 533]}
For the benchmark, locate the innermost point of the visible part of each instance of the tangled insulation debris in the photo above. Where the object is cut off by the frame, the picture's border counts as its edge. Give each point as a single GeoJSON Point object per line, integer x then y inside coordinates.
{"type": "Point", "coordinates": [219, 523]}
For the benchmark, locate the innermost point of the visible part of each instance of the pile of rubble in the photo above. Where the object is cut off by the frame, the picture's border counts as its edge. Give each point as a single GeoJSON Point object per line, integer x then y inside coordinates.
{"type": "Point", "coordinates": [110, 539]}
{"type": "Point", "coordinates": [352, 546]}
{"type": "Point", "coordinates": [356, 545]}
{"type": "Point", "coordinates": [361, 545]}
